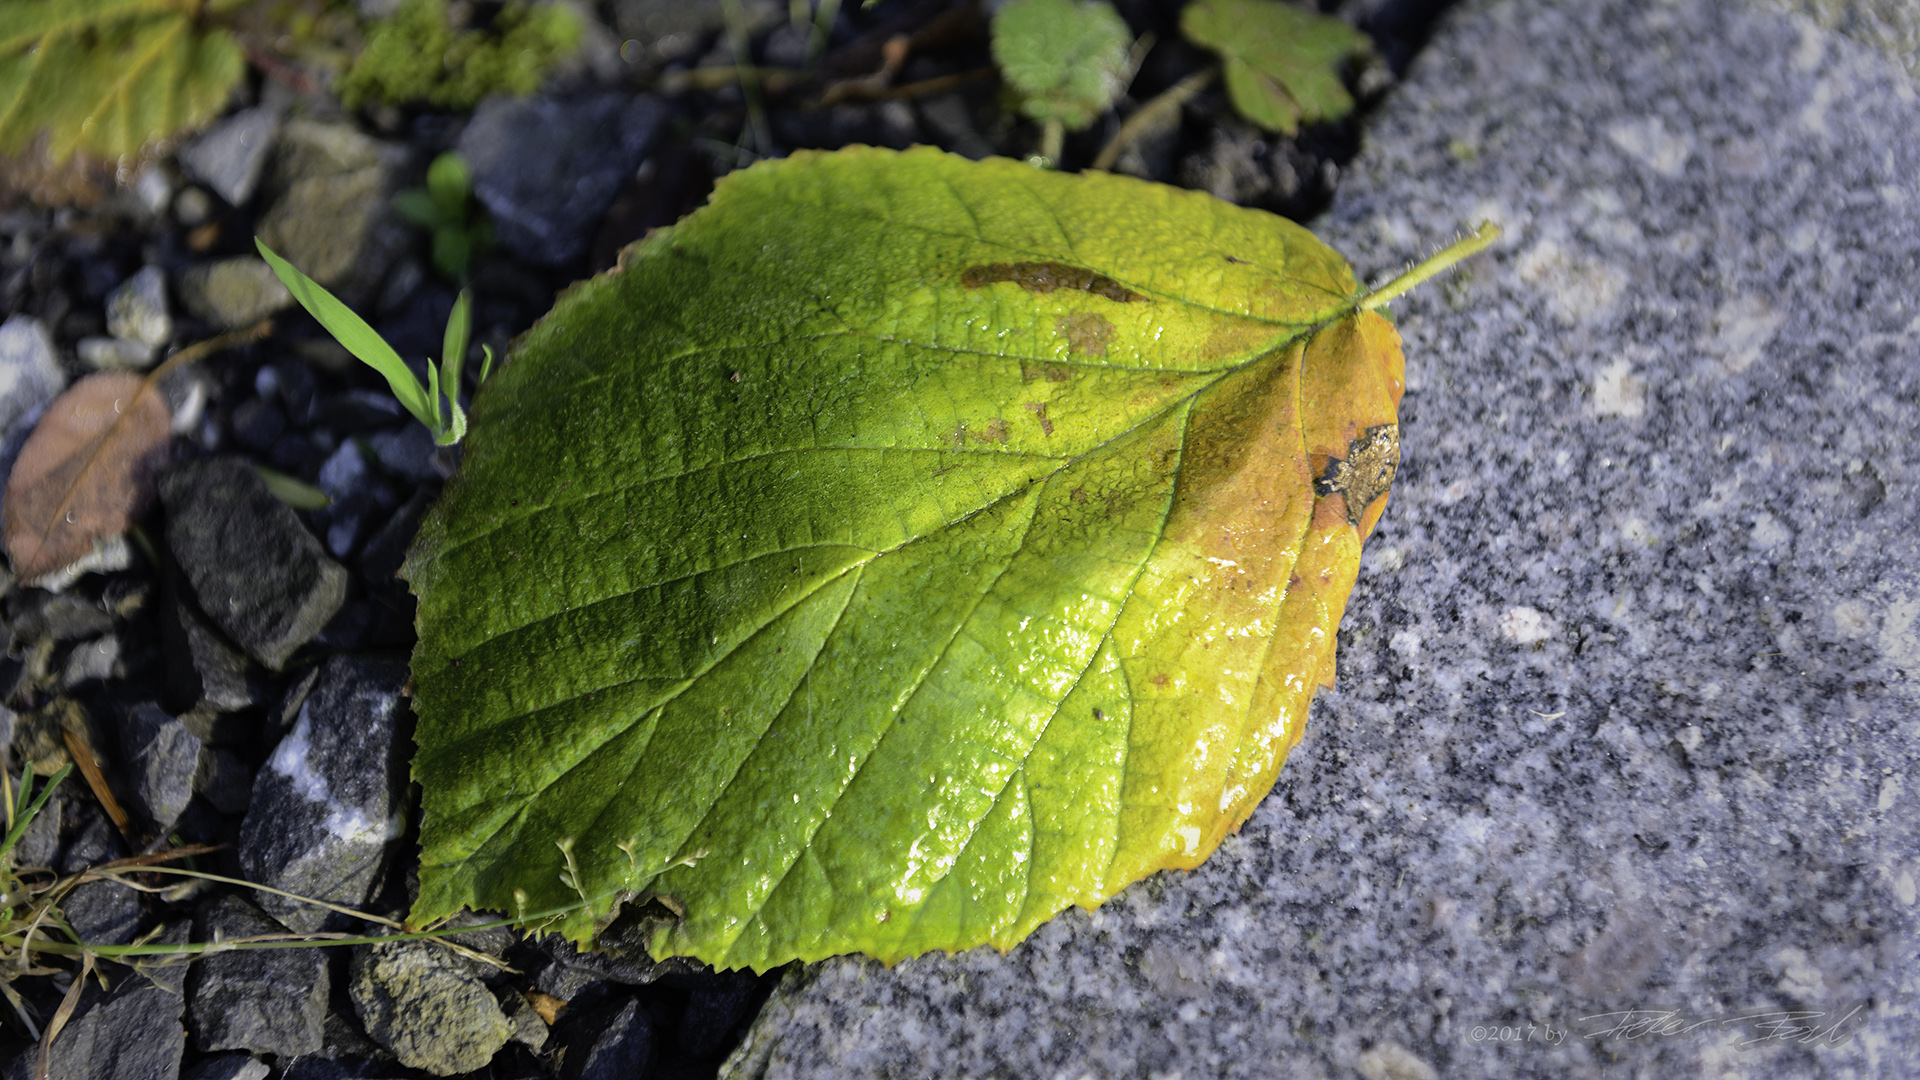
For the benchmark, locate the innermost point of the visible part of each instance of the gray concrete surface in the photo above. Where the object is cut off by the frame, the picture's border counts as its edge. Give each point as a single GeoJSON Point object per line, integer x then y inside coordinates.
{"type": "Point", "coordinates": [1615, 780]}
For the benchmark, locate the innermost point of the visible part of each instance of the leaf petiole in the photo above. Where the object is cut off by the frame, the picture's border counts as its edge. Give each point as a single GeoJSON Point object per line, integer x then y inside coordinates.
{"type": "Point", "coordinates": [1435, 264]}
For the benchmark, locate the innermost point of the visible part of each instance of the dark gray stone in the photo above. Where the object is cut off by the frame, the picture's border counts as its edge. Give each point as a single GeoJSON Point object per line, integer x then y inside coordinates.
{"type": "Point", "coordinates": [255, 571]}
{"type": "Point", "coordinates": [523, 1020]}
{"type": "Point", "coordinates": [60, 616]}
{"type": "Point", "coordinates": [102, 912]}
{"type": "Point", "coordinates": [352, 411]}
{"type": "Point", "coordinates": [406, 453]}
{"type": "Point", "coordinates": [423, 1002]}
{"type": "Point", "coordinates": [1624, 715]}
{"type": "Point", "coordinates": [93, 840]}
{"type": "Point", "coordinates": [232, 154]}
{"type": "Point", "coordinates": [344, 1039]}
{"type": "Point", "coordinates": [258, 424]}
{"type": "Point", "coordinates": [131, 1032]}
{"type": "Point", "coordinates": [546, 168]}
{"type": "Point", "coordinates": [228, 1067]}
{"type": "Point", "coordinates": [612, 1042]}
{"type": "Point", "coordinates": [570, 970]}
{"type": "Point", "coordinates": [92, 660]}
{"type": "Point", "coordinates": [322, 1068]}
{"type": "Point", "coordinates": [386, 549]}
{"type": "Point", "coordinates": [160, 756]}
{"type": "Point", "coordinates": [169, 973]}
{"type": "Point", "coordinates": [713, 1010]}
{"type": "Point", "coordinates": [224, 779]}
{"type": "Point", "coordinates": [267, 1001]}
{"type": "Point", "coordinates": [327, 807]}
{"type": "Point", "coordinates": [360, 500]}
{"type": "Point", "coordinates": [30, 374]}
{"type": "Point", "coordinates": [207, 669]}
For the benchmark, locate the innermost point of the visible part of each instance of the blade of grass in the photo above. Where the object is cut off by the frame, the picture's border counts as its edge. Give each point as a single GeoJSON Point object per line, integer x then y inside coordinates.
{"type": "Point", "coordinates": [299, 495]}
{"type": "Point", "coordinates": [44, 1066]}
{"type": "Point", "coordinates": [453, 357]}
{"type": "Point", "coordinates": [28, 810]}
{"type": "Point", "coordinates": [353, 332]}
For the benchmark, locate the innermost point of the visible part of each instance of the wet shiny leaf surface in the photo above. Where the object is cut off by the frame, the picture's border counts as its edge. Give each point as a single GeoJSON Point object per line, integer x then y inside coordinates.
{"type": "Point", "coordinates": [895, 552]}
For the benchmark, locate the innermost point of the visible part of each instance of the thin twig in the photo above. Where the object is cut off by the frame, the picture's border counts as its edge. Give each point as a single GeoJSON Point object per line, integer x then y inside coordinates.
{"type": "Point", "coordinates": [1164, 106]}
{"type": "Point", "coordinates": [772, 80]}
{"type": "Point", "coordinates": [892, 55]}
{"type": "Point", "coordinates": [939, 84]}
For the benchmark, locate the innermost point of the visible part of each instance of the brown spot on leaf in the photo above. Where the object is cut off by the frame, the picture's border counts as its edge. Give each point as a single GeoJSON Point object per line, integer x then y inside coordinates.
{"type": "Point", "coordinates": [1088, 333]}
{"type": "Point", "coordinates": [1365, 473]}
{"type": "Point", "coordinates": [1049, 372]}
{"type": "Point", "coordinates": [1039, 410]}
{"type": "Point", "coordinates": [1044, 277]}
{"type": "Point", "coordinates": [997, 432]}
{"type": "Point", "coordinates": [1159, 680]}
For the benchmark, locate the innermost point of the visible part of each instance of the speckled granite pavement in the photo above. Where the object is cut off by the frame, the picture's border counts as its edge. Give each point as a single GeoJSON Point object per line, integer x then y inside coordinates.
{"type": "Point", "coordinates": [1630, 687]}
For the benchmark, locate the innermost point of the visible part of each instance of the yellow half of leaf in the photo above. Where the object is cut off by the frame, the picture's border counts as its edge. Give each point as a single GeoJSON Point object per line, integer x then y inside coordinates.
{"type": "Point", "coordinates": [895, 552]}
{"type": "Point", "coordinates": [110, 77]}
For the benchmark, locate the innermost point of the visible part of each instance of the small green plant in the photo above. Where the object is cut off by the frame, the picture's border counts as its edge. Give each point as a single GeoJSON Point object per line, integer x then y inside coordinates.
{"type": "Point", "coordinates": [445, 418]}
{"type": "Point", "coordinates": [1067, 59]}
{"type": "Point", "coordinates": [418, 54]}
{"type": "Point", "coordinates": [1282, 62]}
{"type": "Point", "coordinates": [445, 208]}
{"type": "Point", "coordinates": [33, 928]}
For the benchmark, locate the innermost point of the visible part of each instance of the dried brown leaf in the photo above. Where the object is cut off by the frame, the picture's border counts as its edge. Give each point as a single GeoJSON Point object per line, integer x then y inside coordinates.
{"type": "Point", "coordinates": [86, 472]}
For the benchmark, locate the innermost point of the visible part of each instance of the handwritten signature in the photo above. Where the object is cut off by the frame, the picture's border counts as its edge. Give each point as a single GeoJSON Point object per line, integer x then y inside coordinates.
{"type": "Point", "coordinates": [1807, 1027]}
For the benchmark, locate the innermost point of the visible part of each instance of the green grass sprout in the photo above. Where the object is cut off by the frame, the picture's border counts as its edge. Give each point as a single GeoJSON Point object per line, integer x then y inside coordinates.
{"type": "Point", "coordinates": [447, 420]}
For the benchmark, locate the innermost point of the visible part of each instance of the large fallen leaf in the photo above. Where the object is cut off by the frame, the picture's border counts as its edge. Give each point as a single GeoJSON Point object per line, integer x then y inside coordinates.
{"type": "Point", "coordinates": [1282, 62]}
{"type": "Point", "coordinates": [86, 471]}
{"type": "Point", "coordinates": [111, 77]}
{"type": "Point", "coordinates": [895, 552]}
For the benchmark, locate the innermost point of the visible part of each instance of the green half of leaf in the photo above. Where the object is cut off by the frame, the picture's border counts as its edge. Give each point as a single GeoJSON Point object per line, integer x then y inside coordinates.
{"type": "Point", "coordinates": [110, 77]}
{"type": "Point", "coordinates": [897, 551]}
{"type": "Point", "coordinates": [1282, 62]}
{"type": "Point", "coordinates": [1067, 58]}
